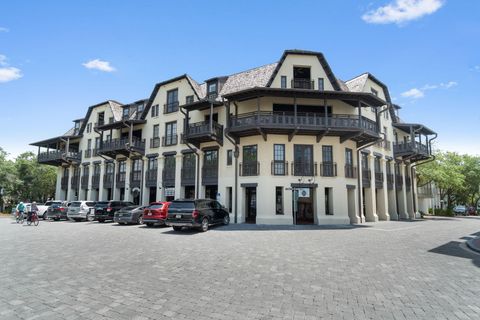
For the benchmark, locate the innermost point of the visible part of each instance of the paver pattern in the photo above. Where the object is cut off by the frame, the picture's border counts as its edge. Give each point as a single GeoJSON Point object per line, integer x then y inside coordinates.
{"type": "Point", "coordinates": [385, 270]}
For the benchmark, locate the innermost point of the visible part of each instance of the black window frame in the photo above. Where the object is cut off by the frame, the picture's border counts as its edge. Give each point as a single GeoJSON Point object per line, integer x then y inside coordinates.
{"type": "Point", "coordinates": [279, 164]}
{"type": "Point", "coordinates": [172, 101]}
{"type": "Point", "coordinates": [283, 82]}
{"type": "Point", "coordinates": [321, 84]}
{"type": "Point", "coordinates": [170, 133]}
{"type": "Point", "coordinates": [229, 157]}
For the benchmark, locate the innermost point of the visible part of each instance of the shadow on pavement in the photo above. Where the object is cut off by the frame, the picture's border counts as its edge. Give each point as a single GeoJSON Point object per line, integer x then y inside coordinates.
{"type": "Point", "coordinates": [453, 249]}
{"type": "Point", "coordinates": [266, 227]}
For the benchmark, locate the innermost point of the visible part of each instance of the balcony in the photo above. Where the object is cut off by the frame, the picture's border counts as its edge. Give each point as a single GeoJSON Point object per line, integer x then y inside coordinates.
{"type": "Point", "coordinates": [64, 182]}
{"type": "Point", "coordinates": [170, 140]}
{"type": "Point", "coordinates": [249, 168]}
{"type": "Point", "coordinates": [304, 168]}
{"type": "Point", "coordinates": [87, 153]}
{"type": "Point", "coordinates": [390, 181]}
{"type": "Point", "coordinates": [188, 176]}
{"type": "Point", "coordinates": [414, 151]}
{"type": "Point", "coordinates": [59, 157]}
{"type": "Point", "coordinates": [302, 84]}
{"type": "Point", "coordinates": [114, 147]}
{"type": "Point", "coordinates": [204, 131]}
{"type": "Point", "coordinates": [328, 169]}
{"type": "Point", "coordinates": [357, 128]}
{"type": "Point", "coordinates": [379, 180]}
{"type": "Point", "coordinates": [120, 180]}
{"type": "Point", "coordinates": [350, 171]}
{"type": "Point", "coordinates": [155, 142]}
{"type": "Point", "coordinates": [366, 177]}
{"type": "Point", "coordinates": [151, 178]}
{"type": "Point", "coordinates": [170, 107]}
{"type": "Point", "coordinates": [210, 174]}
{"type": "Point", "coordinates": [399, 181]}
{"type": "Point", "coordinates": [96, 181]}
{"type": "Point", "coordinates": [108, 180]}
{"type": "Point", "coordinates": [168, 177]}
{"type": "Point", "coordinates": [279, 168]}
{"type": "Point", "coordinates": [385, 144]}
{"type": "Point", "coordinates": [74, 182]}
{"type": "Point", "coordinates": [135, 179]}
{"type": "Point", "coordinates": [84, 182]}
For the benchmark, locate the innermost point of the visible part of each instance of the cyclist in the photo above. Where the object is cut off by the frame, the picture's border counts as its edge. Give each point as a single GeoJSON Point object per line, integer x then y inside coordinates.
{"type": "Point", "coordinates": [33, 208]}
{"type": "Point", "coordinates": [20, 209]}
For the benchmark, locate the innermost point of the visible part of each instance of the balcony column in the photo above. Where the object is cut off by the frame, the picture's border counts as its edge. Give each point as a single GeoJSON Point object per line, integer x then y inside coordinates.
{"type": "Point", "coordinates": [128, 171]}
{"type": "Point", "coordinates": [58, 185]}
{"type": "Point", "coordinates": [402, 201]}
{"type": "Point", "coordinates": [409, 194]}
{"type": "Point", "coordinates": [415, 193]}
{"type": "Point", "coordinates": [160, 192]}
{"type": "Point", "coordinates": [382, 194]}
{"type": "Point", "coordinates": [359, 106]}
{"type": "Point", "coordinates": [392, 204]}
{"type": "Point", "coordinates": [100, 184]}
{"type": "Point", "coordinates": [178, 175]}
{"type": "Point", "coordinates": [295, 109]}
{"type": "Point", "coordinates": [200, 192]}
{"type": "Point", "coordinates": [70, 194]}
{"type": "Point", "coordinates": [145, 190]}
{"type": "Point", "coordinates": [370, 200]}
{"type": "Point", "coordinates": [211, 118]}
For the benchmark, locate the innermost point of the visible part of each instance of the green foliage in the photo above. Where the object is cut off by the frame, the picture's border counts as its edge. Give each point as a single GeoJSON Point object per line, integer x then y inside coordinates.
{"type": "Point", "coordinates": [457, 177]}
{"type": "Point", "coordinates": [25, 179]}
{"type": "Point", "coordinates": [442, 212]}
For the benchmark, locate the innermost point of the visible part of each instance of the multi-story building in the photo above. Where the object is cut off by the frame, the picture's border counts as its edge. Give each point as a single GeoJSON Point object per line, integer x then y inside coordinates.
{"type": "Point", "coordinates": [283, 143]}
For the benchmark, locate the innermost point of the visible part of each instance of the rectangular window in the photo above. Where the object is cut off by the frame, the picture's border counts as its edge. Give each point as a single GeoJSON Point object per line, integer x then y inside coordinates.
{"type": "Point", "coordinates": [378, 167]}
{"type": "Point", "coordinates": [328, 167]}
{"type": "Point", "coordinates": [374, 92]}
{"type": "Point", "coordinates": [97, 143]}
{"type": "Point", "coordinates": [189, 99]}
{"type": "Point", "coordinates": [279, 164]}
{"type": "Point", "coordinates": [279, 200]}
{"type": "Point", "coordinates": [156, 130]}
{"type": "Point", "coordinates": [126, 113]}
{"type": "Point", "coordinates": [303, 160]}
{"type": "Point", "coordinates": [172, 101]}
{"type": "Point", "coordinates": [110, 120]}
{"type": "Point", "coordinates": [229, 199]}
{"type": "Point", "coordinates": [101, 118]}
{"type": "Point", "coordinates": [89, 144]}
{"type": "Point", "coordinates": [321, 84]}
{"type": "Point", "coordinates": [152, 164]}
{"type": "Point", "coordinates": [212, 87]}
{"type": "Point", "coordinates": [328, 201]}
{"type": "Point", "coordinates": [364, 161]}
{"type": "Point", "coordinates": [170, 133]}
{"type": "Point", "coordinates": [283, 82]}
{"type": "Point", "coordinates": [96, 170]}
{"type": "Point", "coordinates": [155, 111]}
{"type": "Point", "coordinates": [349, 169]}
{"type": "Point", "coordinates": [327, 154]}
{"type": "Point", "coordinates": [229, 157]}
{"type": "Point", "coordinates": [249, 165]}
{"type": "Point", "coordinates": [140, 108]}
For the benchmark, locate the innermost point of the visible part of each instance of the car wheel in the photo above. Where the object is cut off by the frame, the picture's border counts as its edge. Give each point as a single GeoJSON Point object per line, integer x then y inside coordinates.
{"type": "Point", "coordinates": [149, 224]}
{"type": "Point", "coordinates": [226, 220]}
{"type": "Point", "coordinates": [44, 216]}
{"type": "Point", "coordinates": [101, 220]}
{"type": "Point", "coordinates": [140, 220]}
{"type": "Point", "coordinates": [204, 227]}
{"type": "Point", "coordinates": [89, 218]}
{"type": "Point", "coordinates": [177, 228]}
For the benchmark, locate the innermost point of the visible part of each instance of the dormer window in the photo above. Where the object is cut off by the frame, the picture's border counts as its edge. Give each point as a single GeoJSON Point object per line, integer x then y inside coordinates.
{"type": "Point", "coordinates": [172, 101]}
{"type": "Point", "coordinates": [374, 92]}
{"type": "Point", "coordinates": [77, 128]}
{"type": "Point", "coordinates": [321, 85]}
{"type": "Point", "coordinates": [212, 89]}
{"type": "Point", "coordinates": [301, 78]}
{"type": "Point", "coordinates": [189, 99]}
{"type": "Point", "coordinates": [101, 118]}
{"type": "Point", "coordinates": [126, 113]}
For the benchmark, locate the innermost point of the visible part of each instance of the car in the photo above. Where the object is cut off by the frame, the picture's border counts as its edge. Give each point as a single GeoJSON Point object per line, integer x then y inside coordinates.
{"type": "Point", "coordinates": [80, 210]}
{"type": "Point", "coordinates": [198, 213]}
{"type": "Point", "coordinates": [129, 215]}
{"type": "Point", "coordinates": [42, 208]}
{"type": "Point", "coordinates": [471, 211]}
{"type": "Point", "coordinates": [105, 210]}
{"type": "Point", "coordinates": [460, 209]}
{"type": "Point", "coordinates": [58, 211]}
{"type": "Point", "coordinates": [155, 214]}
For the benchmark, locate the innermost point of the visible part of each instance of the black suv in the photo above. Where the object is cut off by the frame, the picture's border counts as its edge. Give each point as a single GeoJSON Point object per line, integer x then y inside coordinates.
{"type": "Point", "coordinates": [200, 213]}
{"type": "Point", "coordinates": [105, 210]}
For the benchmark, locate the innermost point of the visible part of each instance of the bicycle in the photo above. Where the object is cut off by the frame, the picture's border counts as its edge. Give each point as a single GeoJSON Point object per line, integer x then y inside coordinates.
{"type": "Point", "coordinates": [20, 216]}
{"type": "Point", "coordinates": [33, 219]}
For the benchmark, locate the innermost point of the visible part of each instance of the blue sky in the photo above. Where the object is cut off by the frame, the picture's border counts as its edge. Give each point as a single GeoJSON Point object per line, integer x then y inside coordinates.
{"type": "Point", "coordinates": [426, 51]}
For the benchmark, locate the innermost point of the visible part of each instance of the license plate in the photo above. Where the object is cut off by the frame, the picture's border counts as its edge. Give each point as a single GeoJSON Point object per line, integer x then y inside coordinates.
{"type": "Point", "coordinates": [178, 216]}
{"type": "Point", "coordinates": [149, 213]}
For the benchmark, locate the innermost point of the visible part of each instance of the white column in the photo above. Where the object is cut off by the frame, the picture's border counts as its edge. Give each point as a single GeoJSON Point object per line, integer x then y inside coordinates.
{"type": "Point", "coordinates": [100, 185]}
{"type": "Point", "coordinates": [160, 191]}
{"type": "Point", "coordinates": [382, 194]}
{"type": "Point", "coordinates": [69, 184]}
{"type": "Point", "coordinates": [58, 185]}
{"type": "Point", "coordinates": [128, 171]}
{"type": "Point", "coordinates": [370, 201]}
{"type": "Point", "coordinates": [402, 201]}
{"type": "Point", "coordinates": [409, 195]}
{"type": "Point", "coordinates": [145, 190]}
{"type": "Point", "coordinates": [178, 175]}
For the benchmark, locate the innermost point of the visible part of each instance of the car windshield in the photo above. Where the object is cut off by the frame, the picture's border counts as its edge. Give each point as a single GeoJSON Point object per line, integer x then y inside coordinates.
{"type": "Point", "coordinates": [182, 205]}
{"type": "Point", "coordinates": [102, 204]}
{"type": "Point", "coordinates": [129, 208]}
{"type": "Point", "coordinates": [75, 204]}
{"type": "Point", "coordinates": [156, 206]}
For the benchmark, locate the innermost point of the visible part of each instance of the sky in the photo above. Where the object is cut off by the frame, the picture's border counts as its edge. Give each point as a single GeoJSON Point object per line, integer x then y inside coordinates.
{"type": "Point", "coordinates": [57, 58]}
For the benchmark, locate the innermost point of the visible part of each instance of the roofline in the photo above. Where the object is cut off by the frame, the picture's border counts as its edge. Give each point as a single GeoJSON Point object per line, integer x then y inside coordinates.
{"type": "Point", "coordinates": [418, 125]}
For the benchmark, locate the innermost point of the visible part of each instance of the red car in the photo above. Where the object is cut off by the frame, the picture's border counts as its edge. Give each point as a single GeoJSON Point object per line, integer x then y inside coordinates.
{"type": "Point", "coordinates": [156, 214]}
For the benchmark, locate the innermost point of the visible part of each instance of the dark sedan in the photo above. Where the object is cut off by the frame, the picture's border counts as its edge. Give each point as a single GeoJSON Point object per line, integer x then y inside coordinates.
{"type": "Point", "coordinates": [129, 215]}
{"type": "Point", "coordinates": [200, 213]}
{"type": "Point", "coordinates": [58, 211]}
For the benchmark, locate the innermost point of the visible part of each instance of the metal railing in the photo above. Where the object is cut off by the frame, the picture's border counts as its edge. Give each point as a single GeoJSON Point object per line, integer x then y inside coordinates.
{"type": "Point", "coordinates": [304, 168]}
{"type": "Point", "coordinates": [410, 147]}
{"type": "Point", "coordinates": [188, 175]}
{"type": "Point", "coordinates": [366, 177]}
{"type": "Point", "coordinates": [64, 182]}
{"type": "Point", "coordinates": [408, 182]}
{"type": "Point", "coordinates": [399, 181]}
{"type": "Point", "coordinates": [170, 107]}
{"type": "Point", "coordinates": [279, 168]}
{"type": "Point", "coordinates": [95, 181]}
{"type": "Point", "coordinates": [121, 144]}
{"type": "Point", "coordinates": [210, 174]}
{"type": "Point", "coordinates": [151, 178]}
{"type": "Point", "coordinates": [203, 128]}
{"type": "Point", "coordinates": [390, 180]}
{"type": "Point", "coordinates": [328, 169]}
{"type": "Point", "coordinates": [74, 182]}
{"type": "Point", "coordinates": [379, 180]}
{"type": "Point", "coordinates": [84, 182]}
{"type": "Point", "coordinates": [350, 171]}
{"type": "Point", "coordinates": [249, 168]}
{"type": "Point", "coordinates": [121, 178]}
{"type": "Point", "coordinates": [385, 144]}
{"type": "Point", "coordinates": [168, 176]}
{"type": "Point", "coordinates": [108, 180]}
{"type": "Point", "coordinates": [135, 178]}
{"type": "Point", "coordinates": [169, 140]}
{"type": "Point", "coordinates": [155, 142]}
{"type": "Point", "coordinates": [59, 155]}
{"type": "Point", "coordinates": [302, 84]}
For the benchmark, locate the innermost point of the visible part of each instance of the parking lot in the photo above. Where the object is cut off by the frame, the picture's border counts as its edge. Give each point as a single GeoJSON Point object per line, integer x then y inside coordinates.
{"type": "Point", "coordinates": [384, 270]}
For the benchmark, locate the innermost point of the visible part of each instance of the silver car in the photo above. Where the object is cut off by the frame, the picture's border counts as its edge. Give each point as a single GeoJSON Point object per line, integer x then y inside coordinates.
{"type": "Point", "coordinates": [80, 210]}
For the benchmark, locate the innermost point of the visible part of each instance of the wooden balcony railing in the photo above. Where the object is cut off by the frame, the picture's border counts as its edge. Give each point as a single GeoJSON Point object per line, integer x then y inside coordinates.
{"type": "Point", "coordinates": [249, 168]}
{"type": "Point", "coordinates": [350, 171]}
{"type": "Point", "coordinates": [328, 169]}
{"type": "Point", "coordinates": [279, 168]}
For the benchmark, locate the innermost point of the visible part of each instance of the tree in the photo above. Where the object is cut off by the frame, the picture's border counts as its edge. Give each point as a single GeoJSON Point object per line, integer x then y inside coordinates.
{"type": "Point", "coordinates": [471, 172]}
{"type": "Point", "coordinates": [8, 178]}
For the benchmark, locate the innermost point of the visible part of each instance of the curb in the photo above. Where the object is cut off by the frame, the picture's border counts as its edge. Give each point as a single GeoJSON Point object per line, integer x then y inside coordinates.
{"type": "Point", "coordinates": [474, 244]}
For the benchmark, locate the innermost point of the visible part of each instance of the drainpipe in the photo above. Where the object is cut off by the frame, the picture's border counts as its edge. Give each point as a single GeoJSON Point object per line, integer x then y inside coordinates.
{"type": "Point", "coordinates": [195, 151]}
{"type": "Point", "coordinates": [236, 153]}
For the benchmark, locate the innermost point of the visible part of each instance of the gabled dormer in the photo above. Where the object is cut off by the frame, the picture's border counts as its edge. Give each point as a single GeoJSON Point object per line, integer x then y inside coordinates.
{"type": "Point", "coordinates": [214, 86]}
{"type": "Point", "coordinates": [305, 70]}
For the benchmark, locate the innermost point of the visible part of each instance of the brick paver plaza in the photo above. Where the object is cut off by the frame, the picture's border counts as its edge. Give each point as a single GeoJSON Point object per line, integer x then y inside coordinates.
{"type": "Point", "coordinates": [385, 270]}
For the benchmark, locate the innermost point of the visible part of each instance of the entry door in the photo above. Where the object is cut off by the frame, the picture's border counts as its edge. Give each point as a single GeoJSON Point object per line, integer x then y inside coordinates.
{"type": "Point", "coordinates": [251, 205]}
{"type": "Point", "coordinates": [305, 209]}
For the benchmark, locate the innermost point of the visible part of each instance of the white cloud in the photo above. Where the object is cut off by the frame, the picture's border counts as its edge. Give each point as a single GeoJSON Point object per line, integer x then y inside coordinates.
{"type": "Point", "coordinates": [3, 60]}
{"type": "Point", "coordinates": [9, 74]}
{"type": "Point", "coordinates": [416, 93]}
{"type": "Point", "coordinates": [402, 11]}
{"type": "Point", "coordinates": [413, 93]}
{"type": "Point", "coordinates": [3, 29]}
{"type": "Point", "coordinates": [98, 64]}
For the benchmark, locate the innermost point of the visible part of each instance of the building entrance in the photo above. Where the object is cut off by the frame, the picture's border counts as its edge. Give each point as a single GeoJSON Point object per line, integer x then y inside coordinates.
{"type": "Point", "coordinates": [304, 206]}
{"type": "Point", "coordinates": [211, 192]}
{"type": "Point", "coordinates": [251, 205]}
